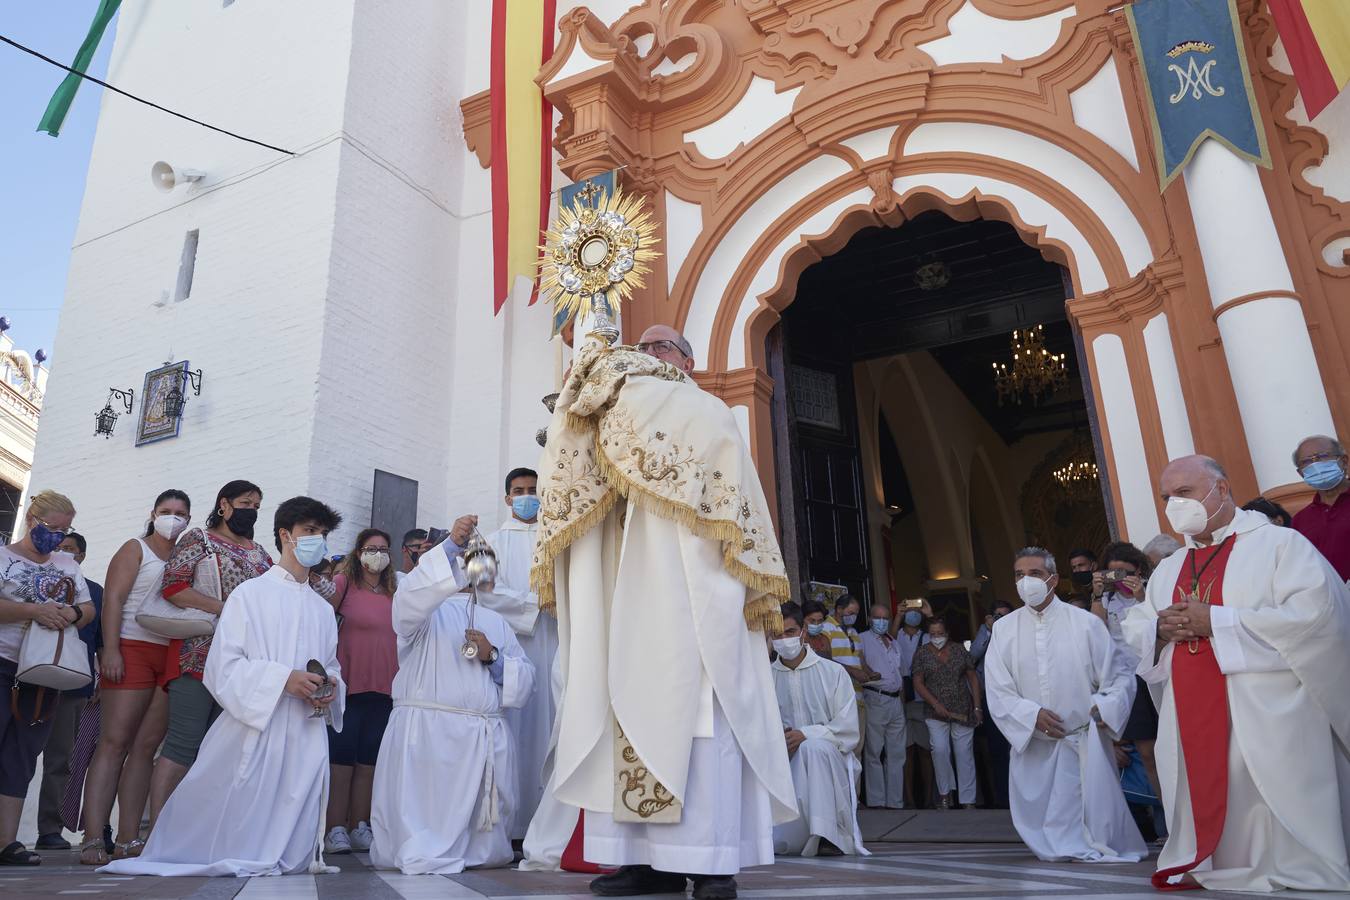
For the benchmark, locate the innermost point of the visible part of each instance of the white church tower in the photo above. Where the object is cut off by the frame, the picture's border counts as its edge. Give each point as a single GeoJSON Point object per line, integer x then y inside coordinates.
{"type": "Point", "coordinates": [336, 300]}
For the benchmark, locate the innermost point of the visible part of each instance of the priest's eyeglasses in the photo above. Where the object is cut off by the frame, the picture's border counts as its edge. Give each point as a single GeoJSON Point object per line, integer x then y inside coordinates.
{"type": "Point", "coordinates": [1316, 457]}
{"type": "Point", "coordinates": [654, 347]}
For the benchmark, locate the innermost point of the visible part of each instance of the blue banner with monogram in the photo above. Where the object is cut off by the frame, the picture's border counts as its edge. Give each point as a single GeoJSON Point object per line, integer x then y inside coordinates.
{"type": "Point", "coordinates": [586, 192]}
{"type": "Point", "coordinates": [1199, 86]}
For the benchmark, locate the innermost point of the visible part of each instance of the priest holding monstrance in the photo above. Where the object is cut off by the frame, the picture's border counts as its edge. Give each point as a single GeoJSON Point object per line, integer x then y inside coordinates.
{"type": "Point", "coordinates": [657, 553]}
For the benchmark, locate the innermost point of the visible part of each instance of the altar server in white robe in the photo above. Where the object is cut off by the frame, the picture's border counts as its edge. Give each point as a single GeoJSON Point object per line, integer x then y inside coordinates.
{"type": "Point", "coordinates": [669, 736]}
{"type": "Point", "coordinates": [1057, 694]}
{"type": "Point", "coordinates": [445, 787]}
{"type": "Point", "coordinates": [512, 598]}
{"type": "Point", "coordinates": [819, 708]}
{"type": "Point", "coordinates": [253, 802]}
{"type": "Point", "coordinates": [1243, 636]}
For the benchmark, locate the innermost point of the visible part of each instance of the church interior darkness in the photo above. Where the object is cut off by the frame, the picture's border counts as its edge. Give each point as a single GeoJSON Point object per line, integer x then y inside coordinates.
{"type": "Point", "coordinates": [909, 476]}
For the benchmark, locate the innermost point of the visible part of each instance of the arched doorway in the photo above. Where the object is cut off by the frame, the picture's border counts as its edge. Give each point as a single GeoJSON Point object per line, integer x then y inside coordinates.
{"type": "Point", "coordinates": [903, 327]}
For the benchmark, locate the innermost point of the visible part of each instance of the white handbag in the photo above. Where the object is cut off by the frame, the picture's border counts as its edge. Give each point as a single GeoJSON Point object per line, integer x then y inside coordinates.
{"type": "Point", "coordinates": [163, 618]}
{"type": "Point", "coordinates": [51, 658]}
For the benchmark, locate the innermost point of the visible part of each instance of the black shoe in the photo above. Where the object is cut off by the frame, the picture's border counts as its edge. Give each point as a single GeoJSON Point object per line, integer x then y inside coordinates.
{"type": "Point", "coordinates": [52, 841]}
{"type": "Point", "coordinates": [714, 887]}
{"type": "Point", "coordinates": [635, 881]}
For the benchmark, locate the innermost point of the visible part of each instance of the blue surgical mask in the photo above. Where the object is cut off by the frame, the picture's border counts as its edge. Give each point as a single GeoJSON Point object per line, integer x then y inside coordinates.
{"type": "Point", "coordinates": [815, 628]}
{"type": "Point", "coordinates": [913, 618]}
{"type": "Point", "coordinates": [526, 506]}
{"type": "Point", "coordinates": [850, 620]}
{"type": "Point", "coordinates": [44, 539]}
{"type": "Point", "coordinates": [310, 550]}
{"type": "Point", "coordinates": [1323, 475]}
{"type": "Point", "coordinates": [880, 626]}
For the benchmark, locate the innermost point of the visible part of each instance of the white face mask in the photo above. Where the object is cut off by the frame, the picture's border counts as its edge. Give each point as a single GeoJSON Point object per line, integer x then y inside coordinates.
{"type": "Point", "coordinates": [374, 562]}
{"type": "Point", "coordinates": [788, 648]}
{"type": "Point", "coordinates": [938, 642]}
{"type": "Point", "coordinates": [1033, 591]}
{"type": "Point", "coordinates": [1188, 516]}
{"type": "Point", "coordinates": [170, 527]}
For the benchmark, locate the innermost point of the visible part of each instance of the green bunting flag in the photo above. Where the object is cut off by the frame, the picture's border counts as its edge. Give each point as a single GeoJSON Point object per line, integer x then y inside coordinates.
{"type": "Point", "coordinates": [55, 116]}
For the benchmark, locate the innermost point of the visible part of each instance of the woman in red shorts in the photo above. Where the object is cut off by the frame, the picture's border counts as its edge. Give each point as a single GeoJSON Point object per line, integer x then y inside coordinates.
{"type": "Point", "coordinates": [132, 662]}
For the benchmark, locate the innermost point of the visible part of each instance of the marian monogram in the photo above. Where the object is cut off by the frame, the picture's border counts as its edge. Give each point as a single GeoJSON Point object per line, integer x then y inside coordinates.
{"type": "Point", "coordinates": [1195, 78]}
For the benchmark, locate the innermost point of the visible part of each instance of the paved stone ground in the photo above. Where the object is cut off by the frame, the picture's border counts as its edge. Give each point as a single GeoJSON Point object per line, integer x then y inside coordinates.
{"type": "Point", "coordinates": [948, 871]}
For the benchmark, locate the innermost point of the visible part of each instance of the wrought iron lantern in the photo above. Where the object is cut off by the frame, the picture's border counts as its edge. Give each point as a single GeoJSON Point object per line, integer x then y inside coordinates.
{"type": "Point", "coordinates": [105, 420]}
{"type": "Point", "coordinates": [176, 400]}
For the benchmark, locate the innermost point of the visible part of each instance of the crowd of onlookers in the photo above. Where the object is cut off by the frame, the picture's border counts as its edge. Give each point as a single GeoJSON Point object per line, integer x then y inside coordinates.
{"type": "Point", "coordinates": [926, 738]}
{"type": "Point", "coordinates": [916, 723]}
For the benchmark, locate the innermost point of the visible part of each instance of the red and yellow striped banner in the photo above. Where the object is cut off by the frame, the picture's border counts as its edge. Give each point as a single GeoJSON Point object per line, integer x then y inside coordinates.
{"type": "Point", "coordinates": [522, 155]}
{"type": "Point", "coordinates": [1316, 35]}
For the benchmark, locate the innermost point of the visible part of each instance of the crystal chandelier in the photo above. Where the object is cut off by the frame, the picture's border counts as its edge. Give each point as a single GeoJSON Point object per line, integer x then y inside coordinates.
{"type": "Point", "coordinates": [1034, 370]}
{"type": "Point", "coordinates": [1078, 479]}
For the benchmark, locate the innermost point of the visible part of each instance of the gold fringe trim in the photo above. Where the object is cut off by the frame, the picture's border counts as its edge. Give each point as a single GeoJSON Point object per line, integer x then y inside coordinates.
{"type": "Point", "coordinates": [767, 592]}
{"type": "Point", "coordinates": [541, 575]}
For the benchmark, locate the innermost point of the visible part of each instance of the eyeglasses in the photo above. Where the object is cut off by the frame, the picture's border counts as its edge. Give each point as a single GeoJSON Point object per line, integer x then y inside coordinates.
{"type": "Point", "coordinates": [49, 527]}
{"type": "Point", "coordinates": [383, 550]}
{"type": "Point", "coordinates": [657, 347]}
{"type": "Point", "coordinates": [1316, 457]}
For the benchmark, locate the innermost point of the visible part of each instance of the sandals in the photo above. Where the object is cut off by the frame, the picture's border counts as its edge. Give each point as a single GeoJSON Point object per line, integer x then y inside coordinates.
{"type": "Point", "coordinates": [17, 854]}
{"type": "Point", "coordinates": [130, 850]}
{"type": "Point", "coordinates": [92, 853]}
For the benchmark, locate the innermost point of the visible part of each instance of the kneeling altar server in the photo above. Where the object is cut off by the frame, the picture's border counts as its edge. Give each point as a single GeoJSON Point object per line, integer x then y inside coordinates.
{"type": "Point", "coordinates": [445, 788]}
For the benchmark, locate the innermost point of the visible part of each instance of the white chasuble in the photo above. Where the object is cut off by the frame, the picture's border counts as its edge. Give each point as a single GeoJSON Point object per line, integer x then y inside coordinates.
{"type": "Point", "coordinates": [253, 802]}
{"type": "Point", "coordinates": [656, 548]}
{"type": "Point", "coordinates": [532, 724]}
{"type": "Point", "coordinates": [1065, 794]}
{"type": "Point", "coordinates": [817, 698]}
{"type": "Point", "coordinates": [445, 787]}
{"type": "Point", "coordinates": [1280, 639]}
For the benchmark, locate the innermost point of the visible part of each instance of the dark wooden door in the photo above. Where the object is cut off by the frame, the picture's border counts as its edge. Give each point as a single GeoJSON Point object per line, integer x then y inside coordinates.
{"type": "Point", "coordinates": [831, 512]}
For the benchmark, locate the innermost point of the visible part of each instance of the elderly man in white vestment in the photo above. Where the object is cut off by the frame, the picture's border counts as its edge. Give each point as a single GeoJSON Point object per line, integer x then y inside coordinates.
{"type": "Point", "coordinates": [656, 546]}
{"type": "Point", "coordinates": [511, 598]}
{"type": "Point", "coordinates": [1055, 691]}
{"type": "Point", "coordinates": [1244, 638]}
{"type": "Point", "coordinates": [253, 803]}
{"type": "Point", "coordinates": [445, 787]}
{"type": "Point", "coordinates": [820, 726]}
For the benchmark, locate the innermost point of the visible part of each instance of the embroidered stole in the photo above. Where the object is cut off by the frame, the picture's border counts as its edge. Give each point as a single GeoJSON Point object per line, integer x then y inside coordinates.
{"type": "Point", "coordinates": [638, 796]}
{"type": "Point", "coordinates": [1200, 692]}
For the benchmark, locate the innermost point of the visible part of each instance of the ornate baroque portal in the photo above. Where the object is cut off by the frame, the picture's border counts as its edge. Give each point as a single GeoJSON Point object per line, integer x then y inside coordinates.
{"type": "Point", "coordinates": [766, 133]}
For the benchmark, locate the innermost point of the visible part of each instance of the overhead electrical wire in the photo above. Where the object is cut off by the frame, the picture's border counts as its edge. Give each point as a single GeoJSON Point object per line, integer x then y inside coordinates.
{"type": "Point", "coordinates": [117, 90]}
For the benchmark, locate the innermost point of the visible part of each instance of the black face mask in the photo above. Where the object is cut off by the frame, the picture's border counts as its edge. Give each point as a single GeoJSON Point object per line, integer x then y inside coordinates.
{"type": "Point", "coordinates": [241, 522]}
{"type": "Point", "coordinates": [1081, 579]}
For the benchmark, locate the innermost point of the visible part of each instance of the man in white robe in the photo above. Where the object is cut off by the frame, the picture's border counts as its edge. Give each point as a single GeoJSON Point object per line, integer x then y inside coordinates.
{"type": "Point", "coordinates": [445, 787]}
{"type": "Point", "coordinates": [511, 597]}
{"type": "Point", "coordinates": [253, 802]}
{"type": "Point", "coordinates": [1253, 672]}
{"type": "Point", "coordinates": [819, 709]}
{"type": "Point", "coordinates": [1056, 693]}
{"type": "Point", "coordinates": [665, 573]}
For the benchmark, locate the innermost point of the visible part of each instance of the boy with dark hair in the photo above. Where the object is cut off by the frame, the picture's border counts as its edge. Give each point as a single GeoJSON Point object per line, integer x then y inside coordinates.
{"type": "Point", "coordinates": [253, 804]}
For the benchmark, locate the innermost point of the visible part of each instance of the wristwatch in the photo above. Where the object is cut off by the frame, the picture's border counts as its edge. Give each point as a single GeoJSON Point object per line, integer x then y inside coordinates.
{"type": "Point", "coordinates": [490, 658]}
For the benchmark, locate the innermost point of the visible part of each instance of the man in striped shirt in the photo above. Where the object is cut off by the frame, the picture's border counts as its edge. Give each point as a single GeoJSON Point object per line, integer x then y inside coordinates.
{"type": "Point", "coordinates": [845, 650]}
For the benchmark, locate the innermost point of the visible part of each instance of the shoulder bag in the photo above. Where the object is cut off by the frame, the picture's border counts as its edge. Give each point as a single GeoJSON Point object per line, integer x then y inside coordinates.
{"type": "Point", "coordinates": [163, 618]}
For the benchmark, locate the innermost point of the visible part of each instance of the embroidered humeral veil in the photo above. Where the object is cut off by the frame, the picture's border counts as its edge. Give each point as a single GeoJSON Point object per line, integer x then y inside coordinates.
{"type": "Point", "coordinates": [663, 443]}
{"type": "Point", "coordinates": [654, 544]}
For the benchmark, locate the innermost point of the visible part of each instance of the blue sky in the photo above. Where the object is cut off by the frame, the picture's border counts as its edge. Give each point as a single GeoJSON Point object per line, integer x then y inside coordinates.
{"type": "Point", "coordinates": [41, 177]}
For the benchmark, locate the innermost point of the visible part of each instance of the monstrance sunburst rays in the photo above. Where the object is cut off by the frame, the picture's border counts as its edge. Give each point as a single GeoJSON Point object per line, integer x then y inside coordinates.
{"type": "Point", "coordinates": [596, 250]}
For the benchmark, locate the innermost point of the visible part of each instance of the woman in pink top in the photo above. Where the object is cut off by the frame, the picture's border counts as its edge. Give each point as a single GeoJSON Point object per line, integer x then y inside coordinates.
{"type": "Point", "coordinates": [368, 652]}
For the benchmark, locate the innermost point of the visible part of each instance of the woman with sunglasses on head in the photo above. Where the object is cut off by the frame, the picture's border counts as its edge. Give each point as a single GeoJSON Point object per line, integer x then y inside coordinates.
{"type": "Point", "coordinates": [368, 653]}
{"type": "Point", "coordinates": [39, 588]}
{"type": "Point", "coordinates": [225, 552]}
{"type": "Point", "coordinates": [134, 711]}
